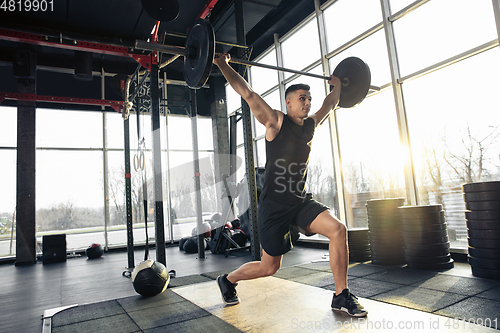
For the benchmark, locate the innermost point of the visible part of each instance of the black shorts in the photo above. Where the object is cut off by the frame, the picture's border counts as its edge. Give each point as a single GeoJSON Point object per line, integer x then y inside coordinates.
{"type": "Point", "coordinates": [274, 220]}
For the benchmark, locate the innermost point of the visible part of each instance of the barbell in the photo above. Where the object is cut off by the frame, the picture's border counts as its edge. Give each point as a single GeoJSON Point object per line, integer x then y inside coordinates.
{"type": "Point", "coordinates": [199, 52]}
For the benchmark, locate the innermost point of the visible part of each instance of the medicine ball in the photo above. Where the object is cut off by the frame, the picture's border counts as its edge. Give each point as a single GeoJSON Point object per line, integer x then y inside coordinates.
{"type": "Point", "coordinates": [191, 245]}
{"type": "Point", "coordinates": [150, 278]}
{"type": "Point", "coordinates": [94, 251]}
{"type": "Point", "coordinates": [236, 224]}
{"type": "Point", "coordinates": [182, 242]}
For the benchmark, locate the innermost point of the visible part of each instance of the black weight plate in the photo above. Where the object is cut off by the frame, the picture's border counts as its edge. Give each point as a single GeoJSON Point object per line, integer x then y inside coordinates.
{"type": "Point", "coordinates": [384, 206]}
{"type": "Point", "coordinates": [387, 223]}
{"type": "Point", "coordinates": [360, 249]}
{"type": "Point", "coordinates": [484, 263]}
{"type": "Point", "coordinates": [429, 234]}
{"type": "Point", "coordinates": [424, 221]}
{"type": "Point", "coordinates": [386, 239]}
{"type": "Point", "coordinates": [388, 255]}
{"type": "Point", "coordinates": [385, 248]}
{"type": "Point", "coordinates": [383, 209]}
{"type": "Point", "coordinates": [430, 260]}
{"type": "Point", "coordinates": [161, 10]}
{"type": "Point", "coordinates": [386, 234]}
{"type": "Point", "coordinates": [484, 243]}
{"type": "Point", "coordinates": [484, 234]}
{"type": "Point", "coordinates": [481, 187]}
{"type": "Point", "coordinates": [357, 241]}
{"type": "Point", "coordinates": [383, 229]}
{"type": "Point", "coordinates": [483, 215]}
{"type": "Point", "coordinates": [200, 49]}
{"type": "Point", "coordinates": [384, 202]}
{"type": "Point", "coordinates": [360, 259]}
{"type": "Point", "coordinates": [355, 77]}
{"type": "Point", "coordinates": [486, 273]}
{"type": "Point", "coordinates": [359, 234]}
{"type": "Point", "coordinates": [360, 253]}
{"type": "Point", "coordinates": [422, 215]}
{"type": "Point", "coordinates": [416, 241]}
{"type": "Point", "coordinates": [380, 229]}
{"type": "Point", "coordinates": [426, 253]}
{"type": "Point", "coordinates": [383, 221]}
{"type": "Point", "coordinates": [376, 246]}
{"type": "Point", "coordinates": [429, 247]}
{"type": "Point", "coordinates": [355, 231]}
{"type": "Point", "coordinates": [363, 249]}
{"type": "Point", "coordinates": [483, 205]}
{"type": "Point", "coordinates": [484, 253]}
{"type": "Point", "coordinates": [482, 196]}
{"type": "Point", "coordinates": [426, 208]}
{"type": "Point", "coordinates": [387, 252]}
{"type": "Point", "coordinates": [363, 253]}
{"type": "Point", "coordinates": [359, 237]}
{"type": "Point", "coordinates": [381, 215]}
{"type": "Point", "coordinates": [424, 228]}
{"type": "Point", "coordinates": [483, 224]}
{"type": "Point", "coordinates": [434, 267]}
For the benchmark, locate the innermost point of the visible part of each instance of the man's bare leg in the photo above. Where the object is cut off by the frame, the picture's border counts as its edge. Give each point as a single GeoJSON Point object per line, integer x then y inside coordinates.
{"type": "Point", "coordinates": [267, 266]}
{"type": "Point", "coordinates": [329, 226]}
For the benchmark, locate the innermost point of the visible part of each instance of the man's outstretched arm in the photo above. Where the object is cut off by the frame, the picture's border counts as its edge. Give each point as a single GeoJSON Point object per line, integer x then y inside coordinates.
{"type": "Point", "coordinates": [330, 103]}
{"type": "Point", "coordinates": [262, 111]}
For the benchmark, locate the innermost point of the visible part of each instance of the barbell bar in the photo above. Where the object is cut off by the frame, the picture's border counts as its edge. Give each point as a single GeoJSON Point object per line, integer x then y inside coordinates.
{"type": "Point", "coordinates": [178, 50]}
{"type": "Point", "coordinates": [199, 53]}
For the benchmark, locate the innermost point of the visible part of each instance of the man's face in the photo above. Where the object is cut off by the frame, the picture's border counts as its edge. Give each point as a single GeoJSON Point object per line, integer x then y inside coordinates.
{"type": "Point", "coordinates": [299, 103]}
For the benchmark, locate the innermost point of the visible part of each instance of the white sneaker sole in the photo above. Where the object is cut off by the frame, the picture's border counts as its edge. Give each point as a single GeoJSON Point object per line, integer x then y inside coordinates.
{"type": "Point", "coordinates": [342, 309]}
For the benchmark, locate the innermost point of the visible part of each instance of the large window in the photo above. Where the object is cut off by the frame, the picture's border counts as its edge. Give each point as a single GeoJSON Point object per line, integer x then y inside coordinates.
{"type": "Point", "coordinates": [370, 151]}
{"type": "Point", "coordinates": [451, 115]}
{"type": "Point", "coordinates": [455, 134]}
{"type": "Point", "coordinates": [347, 19]}
{"type": "Point", "coordinates": [451, 27]}
{"type": "Point", "coordinates": [302, 47]}
{"type": "Point", "coordinates": [371, 155]}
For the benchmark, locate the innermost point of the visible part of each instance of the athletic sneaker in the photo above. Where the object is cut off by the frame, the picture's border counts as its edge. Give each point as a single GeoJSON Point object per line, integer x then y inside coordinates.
{"type": "Point", "coordinates": [228, 290]}
{"type": "Point", "coordinates": [347, 302]}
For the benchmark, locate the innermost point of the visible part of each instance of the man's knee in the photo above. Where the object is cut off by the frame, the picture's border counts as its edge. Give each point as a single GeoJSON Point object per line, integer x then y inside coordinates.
{"type": "Point", "coordinates": [270, 269]}
{"type": "Point", "coordinates": [337, 230]}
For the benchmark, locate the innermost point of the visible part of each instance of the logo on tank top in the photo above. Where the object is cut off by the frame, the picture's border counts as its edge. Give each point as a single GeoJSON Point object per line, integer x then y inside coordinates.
{"type": "Point", "coordinates": [289, 178]}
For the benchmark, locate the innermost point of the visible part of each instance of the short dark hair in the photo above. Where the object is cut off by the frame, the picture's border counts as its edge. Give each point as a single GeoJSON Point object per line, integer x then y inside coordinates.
{"type": "Point", "coordinates": [295, 87]}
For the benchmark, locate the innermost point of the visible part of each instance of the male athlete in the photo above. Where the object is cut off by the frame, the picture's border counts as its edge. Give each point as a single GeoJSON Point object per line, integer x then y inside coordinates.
{"type": "Point", "coordinates": [283, 200]}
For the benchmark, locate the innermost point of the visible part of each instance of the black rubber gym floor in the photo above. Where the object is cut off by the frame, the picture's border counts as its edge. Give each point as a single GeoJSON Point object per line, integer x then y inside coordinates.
{"type": "Point", "coordinates": [193, 304]}
{"type": "Point", "coordinates": [107, 301]}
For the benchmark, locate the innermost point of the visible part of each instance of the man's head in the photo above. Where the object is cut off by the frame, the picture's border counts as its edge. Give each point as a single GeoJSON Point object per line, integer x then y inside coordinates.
{"type": "Point", "coordinates": [298, 99]}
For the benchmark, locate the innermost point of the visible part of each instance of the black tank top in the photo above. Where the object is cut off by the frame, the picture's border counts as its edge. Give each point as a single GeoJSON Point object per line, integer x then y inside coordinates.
{"type": "Point", "coordinates": [287, 158]}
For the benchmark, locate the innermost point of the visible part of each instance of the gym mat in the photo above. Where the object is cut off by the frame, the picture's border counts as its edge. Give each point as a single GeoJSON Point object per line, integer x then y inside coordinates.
{"type": "Point", "coordinates": [275, 305]}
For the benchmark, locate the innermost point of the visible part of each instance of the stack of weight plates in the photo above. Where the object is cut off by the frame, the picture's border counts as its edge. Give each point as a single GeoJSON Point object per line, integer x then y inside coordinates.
{"type": "Point", "coordinates": [359, 244]}
{"type": "Point", "coordinates": [384, 223]}
{"type": "Point", "coordinates": [482, 201]}
{"type": "Point", "coordinates": [425, 237]}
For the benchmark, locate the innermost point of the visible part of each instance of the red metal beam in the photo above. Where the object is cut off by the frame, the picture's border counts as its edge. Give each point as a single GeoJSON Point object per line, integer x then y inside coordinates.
{"type": "Point", "coordinates": [207, 9]}
{"type": "Point", "coordinates": [116, 105]}
{"type": "Point", "coordinates": [109, 49]}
